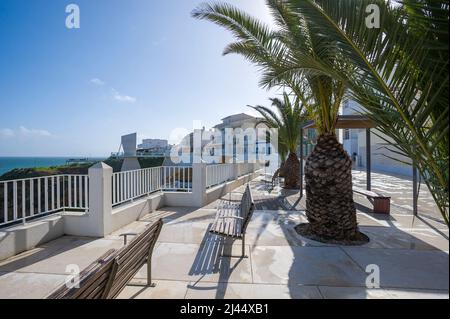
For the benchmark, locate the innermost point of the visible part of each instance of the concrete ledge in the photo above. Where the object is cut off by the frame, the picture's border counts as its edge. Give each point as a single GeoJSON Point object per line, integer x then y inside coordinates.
{"type": "Point", "coordinates": [219, 191]}
{"type": "Point", "coordinates": [133, 211]}
{"type": "Point", "coordinates": [79, 224]}
{"type": "Point", "coordinates": [178, 199]}
{"type": "Point", "coordinates": [19, 238]}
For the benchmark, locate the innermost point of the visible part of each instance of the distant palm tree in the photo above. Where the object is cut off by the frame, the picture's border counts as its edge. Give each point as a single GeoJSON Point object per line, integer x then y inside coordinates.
{"type": "Point", "coordinates": [294, 56]}
{"type": "Point", "coordinates": [287, 120]}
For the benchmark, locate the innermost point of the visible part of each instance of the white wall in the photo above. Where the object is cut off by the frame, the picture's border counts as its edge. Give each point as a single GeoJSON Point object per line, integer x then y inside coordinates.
{"type": "Point", "coordinates": [20, 238]}
{"type": "Point", "coordinates": [380, 155]}
{"type": "Point", "coordinates": [380, 161]}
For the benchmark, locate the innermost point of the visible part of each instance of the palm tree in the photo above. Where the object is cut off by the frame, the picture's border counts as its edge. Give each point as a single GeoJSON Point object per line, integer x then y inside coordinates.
{"type": "Point", "coordinates": [294, 56]}
{"type": "Point", "coordinates": [398, 72]}
{"type": "Point", "coordinates": [287, 121]}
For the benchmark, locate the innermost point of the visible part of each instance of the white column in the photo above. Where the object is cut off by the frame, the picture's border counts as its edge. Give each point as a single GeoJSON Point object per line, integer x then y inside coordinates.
{"type": "Point", "coordinates": [199, 184]}
{"type": "Point", "coordinates": [100, 205]}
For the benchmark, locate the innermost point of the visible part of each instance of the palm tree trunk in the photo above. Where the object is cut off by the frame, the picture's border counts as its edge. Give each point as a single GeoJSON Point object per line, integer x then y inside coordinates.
{"type": "Point", "coordinates": [330, 208]}
{"type": "Point", "coordinates": [292, 172]}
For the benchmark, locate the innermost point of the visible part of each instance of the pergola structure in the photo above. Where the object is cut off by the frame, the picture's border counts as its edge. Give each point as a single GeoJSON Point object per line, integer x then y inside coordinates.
{"type": "Point", "coordinates": [356, 122]}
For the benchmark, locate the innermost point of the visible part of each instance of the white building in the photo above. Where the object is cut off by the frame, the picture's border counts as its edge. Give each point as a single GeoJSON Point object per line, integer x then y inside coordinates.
{"type": "Point", "coordinates": [240, 123]}
{"type": "Point", "coordinates": [244, 148]}
{"type": "Point", "coordinates": [354, 141]}
{"type": "Point", "coordinates": [153, 147]}
{"type": "Point", "coordinates": [153, 143]}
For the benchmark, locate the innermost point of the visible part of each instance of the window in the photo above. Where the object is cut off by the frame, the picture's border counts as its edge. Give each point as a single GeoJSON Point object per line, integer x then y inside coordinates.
{"type": "Point", "coordinates": [346, 134]}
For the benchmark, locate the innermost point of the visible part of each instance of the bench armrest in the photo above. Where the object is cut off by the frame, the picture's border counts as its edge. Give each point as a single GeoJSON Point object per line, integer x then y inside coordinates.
{"type": "Point", "coordinates": [235, 217]}
{"type": "Point", "coordinates": [125, 236]}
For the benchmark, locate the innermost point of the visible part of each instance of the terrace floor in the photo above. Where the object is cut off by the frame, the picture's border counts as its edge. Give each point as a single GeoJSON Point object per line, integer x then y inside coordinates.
{"type": "Point", "coordinates": [412, 254]}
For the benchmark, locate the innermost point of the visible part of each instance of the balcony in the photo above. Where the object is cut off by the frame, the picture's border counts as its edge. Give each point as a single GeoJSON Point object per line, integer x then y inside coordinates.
{"type": "Point", "coordinates": [411, 253]}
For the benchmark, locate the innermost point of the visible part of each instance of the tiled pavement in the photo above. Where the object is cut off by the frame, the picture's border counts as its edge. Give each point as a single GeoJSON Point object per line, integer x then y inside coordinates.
{"type": "Point", "coordinates": [412, 256]}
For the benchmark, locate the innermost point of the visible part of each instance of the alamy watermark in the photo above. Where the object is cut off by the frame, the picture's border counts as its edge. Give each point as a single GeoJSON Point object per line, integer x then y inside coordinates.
{"type": "Point", "coordinates": [373, 278]}
{"type": "Point", "coordinates": [373, 18]}
{"type": "Point", "coordinates": [73, 277]}
{"type": "Point", "coordinates": [73, 17]}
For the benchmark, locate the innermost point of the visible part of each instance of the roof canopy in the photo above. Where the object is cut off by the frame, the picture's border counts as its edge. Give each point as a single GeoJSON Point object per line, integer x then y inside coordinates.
{"type": "Point", "coordinates": [347, 122]}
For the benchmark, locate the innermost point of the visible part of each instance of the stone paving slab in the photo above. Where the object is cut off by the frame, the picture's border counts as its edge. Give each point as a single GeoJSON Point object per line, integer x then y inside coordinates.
{"type": "Point", "coordinates": [256, 291]}
{"type": "Point", "coordinates": [277, 216]}
{"type": "Point", "coordinates": [165, 289]}
{"type": "Point", "coordinates": [190, 290]}
{"type": "Point", "coordinates": [364, 293]}
{"type": "Point", "coordinates": [16, 285]}
{"type": "Point", "coordinates": [405, 268]}
{"type": "Point", "coordinates": [182, 232]}
{"type": "Point", "coordinates": [421, 239]}
{"type": "Point", "coordinates": [400, 221]}
{"type": "Point", "coordinates": [193, 262]}
{"type": "Point", "coordinates": [134, 227]}
{"type": "Point", "coordinates": [305, 266]}
{"type": "Point", "coordinates": [417, 294]}
{"type": "Point", "coordinates": [182, 214]}
{"type": "Point", "coordinates": [81, 252]}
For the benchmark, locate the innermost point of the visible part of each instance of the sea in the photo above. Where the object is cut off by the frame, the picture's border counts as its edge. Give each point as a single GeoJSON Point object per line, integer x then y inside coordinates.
{"type": "Point", "coordinates": [10, 163]}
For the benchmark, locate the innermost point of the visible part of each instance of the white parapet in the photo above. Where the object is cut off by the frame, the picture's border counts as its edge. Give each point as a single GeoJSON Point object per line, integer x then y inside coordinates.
{"type": "Point", "coordinates": [199, 184]}
{"type": "Point", "coordinates": [97, 222]}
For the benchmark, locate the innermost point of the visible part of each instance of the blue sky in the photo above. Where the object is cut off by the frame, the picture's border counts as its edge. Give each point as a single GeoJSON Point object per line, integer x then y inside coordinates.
{"type": "Point", "coordinates": [139, 66]}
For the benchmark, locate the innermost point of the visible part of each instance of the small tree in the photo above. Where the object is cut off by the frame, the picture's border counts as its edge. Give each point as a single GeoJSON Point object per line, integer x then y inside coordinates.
{"type": "Point", "coordinates": [287, 120]}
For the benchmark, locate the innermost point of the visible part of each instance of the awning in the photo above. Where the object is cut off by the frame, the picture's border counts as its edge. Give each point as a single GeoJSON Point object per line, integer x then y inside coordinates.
{"type": "Point", "coordinates": [347, 122]}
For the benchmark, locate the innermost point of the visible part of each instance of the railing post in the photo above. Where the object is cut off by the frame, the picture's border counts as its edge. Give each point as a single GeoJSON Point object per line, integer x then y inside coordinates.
{"type": "Point", "coordinates": [199, 183]}
{"type": "Point", "coordinates": [236, 170]}
{"type": "Point", "coordinates": [100, 198]}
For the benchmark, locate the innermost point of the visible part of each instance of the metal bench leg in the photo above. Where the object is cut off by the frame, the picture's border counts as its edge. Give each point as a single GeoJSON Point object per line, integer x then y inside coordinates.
{"type": "Point", "coordinates": [149, 273]}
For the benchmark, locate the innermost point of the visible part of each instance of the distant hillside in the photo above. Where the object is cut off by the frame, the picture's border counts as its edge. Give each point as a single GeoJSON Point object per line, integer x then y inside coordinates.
{"type": "Point", "coordinates": [74, 169]}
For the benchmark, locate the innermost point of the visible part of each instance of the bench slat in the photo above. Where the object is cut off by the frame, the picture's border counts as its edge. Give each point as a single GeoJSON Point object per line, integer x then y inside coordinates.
{"type": "Point", "coordinates": [367, 193]}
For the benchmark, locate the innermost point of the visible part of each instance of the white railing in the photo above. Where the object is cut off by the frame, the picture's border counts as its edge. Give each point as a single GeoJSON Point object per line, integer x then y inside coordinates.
{"type": "Point", "coordinates": [24, 199]}
{"type": "Point", "coordinates": [177, 178]}
{"type": "Point", "coordinates": [219, 174]}
{"type": "Point", "coordinates": [130, 185]}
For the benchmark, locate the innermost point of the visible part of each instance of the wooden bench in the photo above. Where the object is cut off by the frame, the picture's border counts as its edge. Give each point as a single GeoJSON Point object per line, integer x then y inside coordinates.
{"type": "Point", "coordinates": [381, 204]}
{"type": "Point", "coordinates": [109, 275]}
{"type": "Point", "coordinates": [232, 221]}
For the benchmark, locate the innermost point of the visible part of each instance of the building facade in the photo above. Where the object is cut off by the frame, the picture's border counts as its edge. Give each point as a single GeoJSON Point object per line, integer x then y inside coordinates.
{"type": "Point", "coordinates": [248, 144]}
{"type": "Point", "coordinates": [153, 147]}
{"type": "Point", "coordinates": [383, 160]}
